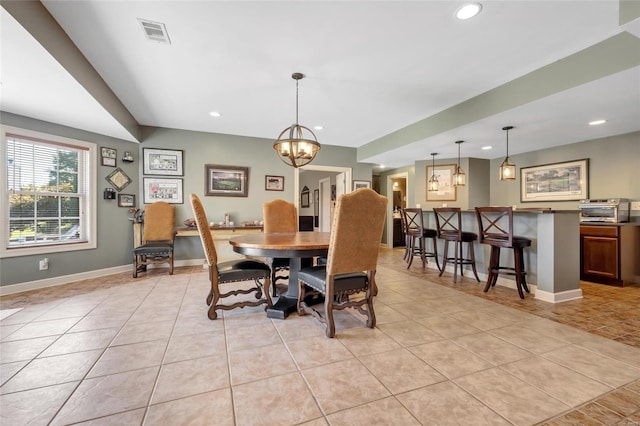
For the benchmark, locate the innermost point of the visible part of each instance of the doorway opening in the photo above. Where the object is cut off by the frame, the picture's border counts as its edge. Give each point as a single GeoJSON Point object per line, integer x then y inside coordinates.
{"type": "Point", "coordinates": [397, 190]}
{"type": "Point", "coordinates": [322, 205]}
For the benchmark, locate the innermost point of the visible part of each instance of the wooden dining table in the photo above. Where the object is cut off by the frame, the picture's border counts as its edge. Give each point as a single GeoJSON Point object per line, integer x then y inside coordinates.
{"type": "Point", "coordinates": [299, 247]}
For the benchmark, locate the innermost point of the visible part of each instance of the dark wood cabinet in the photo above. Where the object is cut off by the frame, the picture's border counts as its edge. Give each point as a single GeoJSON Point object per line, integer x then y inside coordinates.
{"type": "Point", "coordinates": [398, 235]}
{"type": "Point", "coordinates": [609, 254]}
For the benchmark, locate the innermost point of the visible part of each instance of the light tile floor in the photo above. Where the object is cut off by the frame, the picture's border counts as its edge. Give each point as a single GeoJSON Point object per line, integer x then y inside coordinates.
{"type": "Point", "coordinates": [118, 351]}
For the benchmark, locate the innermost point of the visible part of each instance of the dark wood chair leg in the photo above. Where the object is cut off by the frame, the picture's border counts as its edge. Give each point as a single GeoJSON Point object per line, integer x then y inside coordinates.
{"type": "Point", "coordinates": [456, 261]}
{"type": "Point", "coordinates": [411, 252]}
{"type": "Point", "coordinates": [472, 256]}
{"type": "Point", "coordinates": [423, 251]}
{"type": "Point", "coordinates": [435, 253]}
{"type": "Point", "coordinates": [444, 257]}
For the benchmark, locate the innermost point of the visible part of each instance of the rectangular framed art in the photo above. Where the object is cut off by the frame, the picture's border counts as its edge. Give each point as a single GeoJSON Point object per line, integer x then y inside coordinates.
{"type": "Point", "coordinates": [126, 200]}
{"type": "Point", "coordinates": [274, 183]}
{"type": "Point", "coordinates": [555, 182]}
{"type": "Point", "coordinates": [446, 191]}
{"type": "Point", "coordinates": [226, 181]}
{"type": "Point", "coordinates": [162, 189]}
{"type": "Point", "coordinates": [108, 156]}
{"type": "Point", "coordinates": [357, 184]}
{"type": "Point", "coordinates": [166, 162]}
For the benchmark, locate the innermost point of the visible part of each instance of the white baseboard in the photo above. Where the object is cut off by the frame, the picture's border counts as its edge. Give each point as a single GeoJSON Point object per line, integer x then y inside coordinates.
{"type": "Point", "coordinates": [542, 295]}
{"type": "Point", "coordinates": [67, 279]}
{"type": "Point", "coordinates": [563, 296]}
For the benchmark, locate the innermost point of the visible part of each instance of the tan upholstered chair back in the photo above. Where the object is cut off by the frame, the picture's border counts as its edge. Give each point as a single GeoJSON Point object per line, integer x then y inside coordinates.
{"type": "Point", "coordinates": [159, 222]}
{"type": "Point", "coordinates": [279, 216]}
{"type": "Point", "coordinates": [203, 229]}
{"type": "Point", "coordinates": [356, 232]}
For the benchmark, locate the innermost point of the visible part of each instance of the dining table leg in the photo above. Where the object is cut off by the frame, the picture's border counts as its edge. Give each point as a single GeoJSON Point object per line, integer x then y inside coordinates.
{"type": "Point", "coordinates": [287, 302]}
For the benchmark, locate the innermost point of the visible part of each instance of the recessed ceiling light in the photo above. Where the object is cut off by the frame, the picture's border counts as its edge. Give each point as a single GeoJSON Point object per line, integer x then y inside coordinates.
{"type": "Point", "coordinates": [597, 122]}
{"type": "Point", "coordinates": [469, 10]}
{"type": "Point", "coordinates": [215, 114]}
{"type": "Point", "coordinates": [317, 127]}
{"type": "Point", "coordinates": [487, 147]}
{"type": "Point", "coordinates": [382, 166]}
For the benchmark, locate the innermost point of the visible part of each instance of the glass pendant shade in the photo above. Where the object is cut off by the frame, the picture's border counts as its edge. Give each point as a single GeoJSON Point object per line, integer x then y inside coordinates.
{"type": "Point", "coordinates": [507, 170]}
{"type": "Point", "coordinates": [432, 183]}
{"type": "Point", "coordinates": [296, 145]}
{"type": "Point", "coordinates": [459, 177]}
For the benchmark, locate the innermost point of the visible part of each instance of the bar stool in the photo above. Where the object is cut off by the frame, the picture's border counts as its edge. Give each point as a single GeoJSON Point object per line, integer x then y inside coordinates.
{"type": "Point", "coordinates": [449, 228]}
{"type": "Point", "coordinates": [498, 234]}
{"type": "Point", "coordinates": [417, 235]}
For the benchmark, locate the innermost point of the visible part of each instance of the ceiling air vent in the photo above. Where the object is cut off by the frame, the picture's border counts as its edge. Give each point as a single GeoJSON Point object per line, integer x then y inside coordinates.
{"type": "Point", "coordinates": [155, 31]}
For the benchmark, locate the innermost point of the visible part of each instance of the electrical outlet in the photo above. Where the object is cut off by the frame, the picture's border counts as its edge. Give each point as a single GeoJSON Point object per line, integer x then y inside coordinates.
{"type": "Point", "coordinates": [44, 264]}
{"type": "Point", "coordinates": [635, 205]}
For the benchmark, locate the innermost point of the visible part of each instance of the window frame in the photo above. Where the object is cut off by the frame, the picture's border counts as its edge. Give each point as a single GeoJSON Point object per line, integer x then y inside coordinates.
{"type": "Point", "coordinates": [91, 196]}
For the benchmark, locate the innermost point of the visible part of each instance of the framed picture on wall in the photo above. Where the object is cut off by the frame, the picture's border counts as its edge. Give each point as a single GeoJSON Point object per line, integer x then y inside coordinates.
{"type": "Point", "coordinates": [226, 181]}
{"type": "Point", "coordinates": [126, 200]}
{"type": "Point", "coordinates": [162, 161]}
{"type": "Point", "coordinates": [108, 156]}
{"type": "Point", "coordinates": [274, 183]}
{"type": "Point", "coordinates": [162, 189]}
{"type": "Point", "coordinates": [555, 182]}
{"type": "Point", "coordinates": [357, 184]}
{"type": "Point", "coordinates": [444, 173]}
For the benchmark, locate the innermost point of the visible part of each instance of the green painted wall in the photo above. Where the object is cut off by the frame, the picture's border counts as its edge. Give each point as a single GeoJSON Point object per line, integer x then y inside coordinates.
{"type": "Point", "coordinates": [114, 228]}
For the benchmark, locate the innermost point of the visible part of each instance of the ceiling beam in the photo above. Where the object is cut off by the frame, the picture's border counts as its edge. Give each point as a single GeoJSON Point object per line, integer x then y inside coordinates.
{"type": "Point", "coordinates": [37, 20]}
{"type": "Point", "coordinates": [618, 53]}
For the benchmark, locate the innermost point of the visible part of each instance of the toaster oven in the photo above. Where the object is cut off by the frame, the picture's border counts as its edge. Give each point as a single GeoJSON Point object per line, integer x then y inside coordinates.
{"type": "Point", "coordinates": [611, 210]}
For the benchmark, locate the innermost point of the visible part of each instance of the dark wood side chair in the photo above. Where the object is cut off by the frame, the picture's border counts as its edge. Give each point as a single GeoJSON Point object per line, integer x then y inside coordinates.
{"type": "Point", "coordinates": [279, 216]}
{"type": "Point", "coordinates": [231, 271]}
{"type": "Point", "coordinates": [496, 229]}
{"type": "Point", "coordinates": [354, 243]}
{"type": "Point", "coordinates": [417, 236]}
{"type": "Point", "coordinates": [449, 228]}
{"type": "Point", "coordinates": [158, 236]}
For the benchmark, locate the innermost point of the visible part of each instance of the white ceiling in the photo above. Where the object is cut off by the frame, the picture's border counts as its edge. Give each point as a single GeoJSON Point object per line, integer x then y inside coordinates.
{"type": "Point", "coordinates": [372, 68]}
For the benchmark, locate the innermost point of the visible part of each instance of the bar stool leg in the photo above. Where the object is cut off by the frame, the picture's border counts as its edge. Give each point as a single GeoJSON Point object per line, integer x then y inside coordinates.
{"type": "Point", "coordinates": [411, 251]}
{"type": "Point", "coordinates": [493, 264]}
{"type": "Point", "coordinates": [472, 256]}
{"type": "Point", "coordinates": [444, 258]}
{"type": "Point", "coordinates": [461, 259]}
{"type": "Point", "coordinates": [435, 253]}
{"type": "Point", "coordinates": [456, 261]}
{"type": "Point", "coordinates": [423, 250]}
{"type": "Point", "coordinates": [519, 264]}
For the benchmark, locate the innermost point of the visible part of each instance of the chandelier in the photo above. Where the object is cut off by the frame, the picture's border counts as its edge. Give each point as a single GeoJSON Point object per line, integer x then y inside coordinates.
{"type": "Point", "coordinates": [296, 145]}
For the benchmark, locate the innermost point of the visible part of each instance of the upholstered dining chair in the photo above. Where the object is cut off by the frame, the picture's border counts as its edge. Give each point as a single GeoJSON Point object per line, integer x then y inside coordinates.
{"type": "Point", "coordinates": [449, 228]}
{"type": "Point", "coordinates": [158, 236]}
{"type": "Point", "coordinates": [417, 236]}
{"type": "Point", "coordinates": [496, 230]}
{"type": "Point", "coordinates": [231, 271]}
{"type": "Point", "coordinates": [279, 216]}
{"type": "Point", "coordinates": [356, 232]}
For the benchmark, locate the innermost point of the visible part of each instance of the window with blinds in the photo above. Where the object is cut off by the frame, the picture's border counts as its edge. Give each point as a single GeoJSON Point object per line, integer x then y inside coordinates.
{"type": "Point", "coordinates": [48, 192]}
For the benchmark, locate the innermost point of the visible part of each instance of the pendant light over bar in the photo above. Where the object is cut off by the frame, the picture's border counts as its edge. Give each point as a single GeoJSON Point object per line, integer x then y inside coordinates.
{"type": "Point", "coordinates": [459, 177]}
{"type": "Point", "coordinates": [507, 170]}
{"type": "Point", "coordinates": [432, 184]}
{"type": "Point", "coordinates": [297, 145]}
